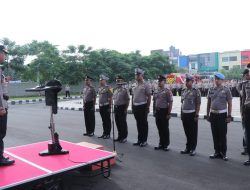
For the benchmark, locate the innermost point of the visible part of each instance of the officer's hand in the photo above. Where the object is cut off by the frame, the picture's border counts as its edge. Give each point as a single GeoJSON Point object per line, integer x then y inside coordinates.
{"type": "Point", "coordinates": [208, 118]}
{"type": "Point", "coordinates": [228, 119]}
{"type": "Point", "coordinates": [168, 117]}
{"type": "Point", "coordinates": [148, 110]}
{"type": "Point", "coordinates": [196, 118]}
{"type": "Point", "coordinates": [2, 111]}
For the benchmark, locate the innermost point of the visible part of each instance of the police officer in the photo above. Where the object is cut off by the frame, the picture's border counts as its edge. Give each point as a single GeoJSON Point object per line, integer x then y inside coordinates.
{"type": "Point", "coordinates": [121, 102]}
{"type": "Point", "coordinates": [4, 161]}
{"type": "Point", "coordinates": [163, 101]}
{"type": "Point", "coordinates": [191, 101]}
{"type": "Point", "coordinates": [219, 107]}
{"type": "Point", "coordinates": [89, 100]}
{"type": "Point", "coordinates": [141, 99]}
{"type": "Point", "coordinates": [105, 98]}
{"type": "Point", "coordinates": [240, 91]}
{"type": "Point", "coordinates": [246, 110]}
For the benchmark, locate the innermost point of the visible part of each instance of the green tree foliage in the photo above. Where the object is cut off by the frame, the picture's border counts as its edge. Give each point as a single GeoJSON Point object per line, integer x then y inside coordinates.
{"type": "Point", "coordinates": [73, 63]}
{"type": "Point", "coordinates": [233, 73]}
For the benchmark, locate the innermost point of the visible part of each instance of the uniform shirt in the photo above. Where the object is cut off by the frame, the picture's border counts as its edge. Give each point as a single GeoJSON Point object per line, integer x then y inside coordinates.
{"type": "Point", "coordinates": [3, 103]}
{"type": "Point", "coordinates": [89, 94]}
{"type": "Point", "coordinates": [246, 94]}
{"type": "Point", "coordinates": [5, 90]}
{"type": "Point", "coordinates": [121, 96]}
{"type": "Point", "coordinates": [219, 97]}
{"type": "Point", "coordinates": [162, 98]}
{"type": "Point", "coordinates": [190, 98]}
{"type": "Point", "coordinates": [105, 94]}
{"type": "Point", "coordinates": [141, 92]}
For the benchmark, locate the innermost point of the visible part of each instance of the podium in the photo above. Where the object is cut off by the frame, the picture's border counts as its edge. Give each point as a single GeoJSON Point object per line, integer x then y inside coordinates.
{"type": "Point", "coordinates": [51, 94]}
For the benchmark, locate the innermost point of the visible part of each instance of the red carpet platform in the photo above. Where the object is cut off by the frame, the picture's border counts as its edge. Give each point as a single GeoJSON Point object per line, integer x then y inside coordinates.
{"type": "Point", "coordinates": [29, 166]}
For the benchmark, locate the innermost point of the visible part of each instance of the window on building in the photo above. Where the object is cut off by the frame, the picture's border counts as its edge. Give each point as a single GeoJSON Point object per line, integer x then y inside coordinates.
{"type": "Point", "coordinates": [193, 66]}
{"type": "Point", "coordinates": [226, 68]}
{"type": "Point", "coordinates": [233, 58]}
{"type": "Point", "coordinates": [244, 58]}
{"type": "Point", "coordinates": [224, 59]}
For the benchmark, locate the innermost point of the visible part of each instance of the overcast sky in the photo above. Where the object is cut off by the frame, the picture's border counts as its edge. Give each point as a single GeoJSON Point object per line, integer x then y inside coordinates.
{"type": "Point", "coordinates": [193, 26]}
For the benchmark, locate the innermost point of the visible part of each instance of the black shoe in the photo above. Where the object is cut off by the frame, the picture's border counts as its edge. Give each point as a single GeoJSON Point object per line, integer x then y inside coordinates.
{"type": "Point", "coordinates": [158, 147]}
{"type": "Point", "coordinates": [186, 151]}
{"type": "Point", "coordinates": [165, 148]}
{"type": "Point", "coordinates": [215, 155]}
{"type": "Point", "coordinates": [106, 137]}
{"type": "Point", "coordinates": [224, 157]}
{"type": "Point", "coordinates": [244, 153]}
{"type": "Point", "coordinates": [85, 134]}
{"type": "Point", "coordinates": [143, 144]}
{"type": "Point", "coordinates": [137, 143]}
{"type": "Point", "coordinates": [123, 140]}
{"type": "Point", "coordinates": [118, 139]}
{"type": "Point", "coordinates": [6, 162]}
{"type": "Point", "coordinates": [91, 134]}
{"type": "Point", "coordinates": [247, 163]}
{"type": "Point", "coordinates": [192, 153]}
{"type": "Point", "coordinates": [101, 137]}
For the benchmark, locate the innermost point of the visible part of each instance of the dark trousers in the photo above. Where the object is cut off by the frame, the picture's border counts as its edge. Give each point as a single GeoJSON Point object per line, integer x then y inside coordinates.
{"type": "Point", "coordinates": [89, 116]}
{"type": "Point", "coordinates": [141, 116]}
{"type": "Point", "coordinates": [106, 120]}
{"type": "Point", "coordinates": [219, 132]}
{"type": "Point", "coordinates": [3, 129]}
{"type": "Point", "coordinates": [247, 128]}
{"type": "Point", "coordinates": [163, 126]}
{"type": "Point", "coordinates": [67, 94]}
{"type": "Point", "coordinates": [244, 143]}
{"type": "Point", "coordinates": [121, 121]}
{"type": "Point", "coordinates": [191, 130]}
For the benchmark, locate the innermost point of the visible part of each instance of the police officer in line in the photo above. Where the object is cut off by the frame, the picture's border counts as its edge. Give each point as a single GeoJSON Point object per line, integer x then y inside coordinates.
{"type": "Point", "coordinates": [141, 99]}
{"type": "Point", "coordinates": [121, 102]}
{"type": "Point", "coordinates": [4, 161]}
{"type": "Point", "coordinates": [240, 91]}
{"type": "Point", "coordinates": [163, 101]}
{"type": "Point", "coordinates": [190, 107]}
{"type": "Point", "coordinates": [246, 110]}
{"type": "Point", "coordinates": [219, 107]}
{"type": "Point", "coordinates": [105, 100]}
{"type": "Point", "coordinates": [89, 101]}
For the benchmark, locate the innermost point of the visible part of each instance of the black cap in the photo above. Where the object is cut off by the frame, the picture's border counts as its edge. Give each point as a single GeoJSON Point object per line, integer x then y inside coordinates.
{"type": "Point", "coordinates": [248, 65]}
{"type": "Point", "coordinates": [161, 78]}
{"type": "Point", "coordinates": [119, 79]}
{"type": "Point", "coordinates": [246, 71]}
{"type": "Point", "coordinates": [88, 78]}
{"type": "Point", "coordinates": [3, 49]}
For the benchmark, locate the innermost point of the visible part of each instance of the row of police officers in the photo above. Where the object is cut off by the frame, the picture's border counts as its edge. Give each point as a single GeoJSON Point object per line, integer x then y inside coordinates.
{"type": "Point", "coordinates": [219, 108]}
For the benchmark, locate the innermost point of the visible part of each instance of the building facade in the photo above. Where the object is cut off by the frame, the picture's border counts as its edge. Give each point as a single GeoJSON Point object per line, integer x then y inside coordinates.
{"type": "Point", "coordinates": [245, 58]}
{"type": "Point", "coordinates": [228, 60]}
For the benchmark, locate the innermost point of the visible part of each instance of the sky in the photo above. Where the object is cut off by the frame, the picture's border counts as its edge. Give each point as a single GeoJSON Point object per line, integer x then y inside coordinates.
{"type": "Point", "coordinates": [193, 26]}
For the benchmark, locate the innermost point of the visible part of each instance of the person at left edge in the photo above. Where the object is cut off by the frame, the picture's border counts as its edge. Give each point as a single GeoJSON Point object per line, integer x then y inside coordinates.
{"type": "Point", "coordinates": [163, 101]}
{"type": "Point", "coordinates": [121, 102]}
{"type": "Point", "coordinates": [4, 161]}
{"type": "Point", "coordinates": [105, 98]}
{"type": "Point", "coordinates": [191, 101]}
{"type": "Point", "coordinates": [89, 100]}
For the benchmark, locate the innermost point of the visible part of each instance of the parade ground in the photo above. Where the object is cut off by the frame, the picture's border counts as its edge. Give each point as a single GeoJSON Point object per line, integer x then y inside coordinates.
{"type": "Point", "coordinates": [138, 168]}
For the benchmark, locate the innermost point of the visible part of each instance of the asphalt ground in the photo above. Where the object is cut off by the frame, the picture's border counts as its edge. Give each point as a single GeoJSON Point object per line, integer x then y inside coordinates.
{"type": "Point", "coordinates": [138, 168]}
